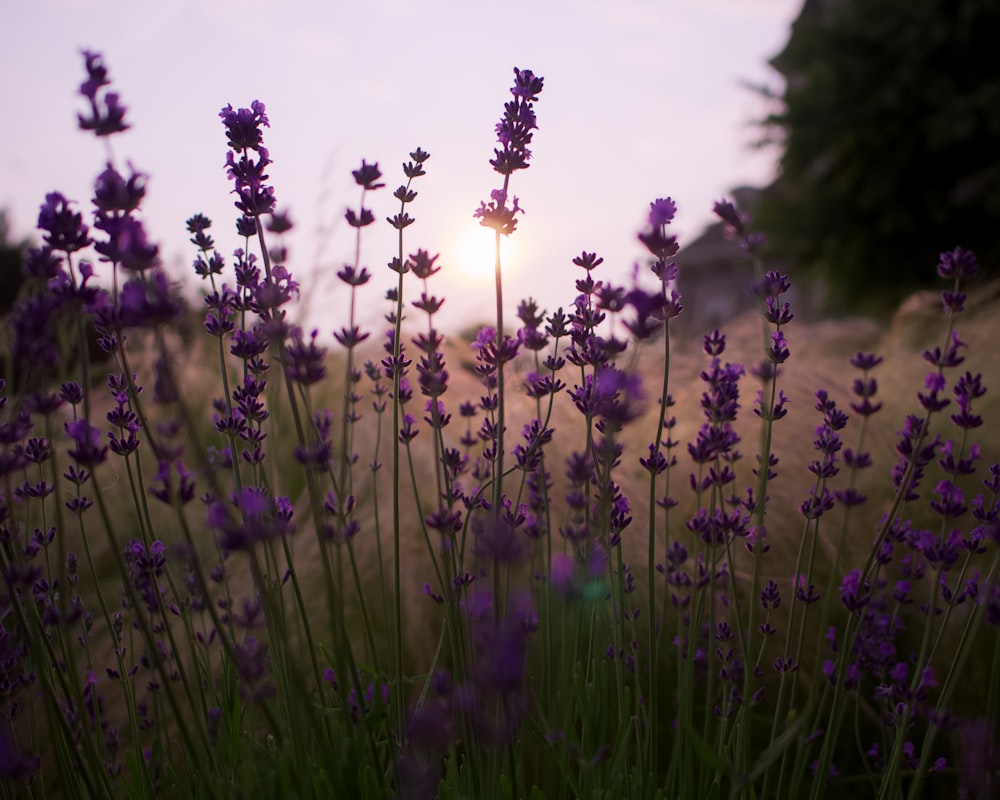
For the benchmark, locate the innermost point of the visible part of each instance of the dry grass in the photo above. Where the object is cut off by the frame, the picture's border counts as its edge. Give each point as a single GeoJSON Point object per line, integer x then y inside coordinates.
{"type": "Point", "coordinates": [820, 353]}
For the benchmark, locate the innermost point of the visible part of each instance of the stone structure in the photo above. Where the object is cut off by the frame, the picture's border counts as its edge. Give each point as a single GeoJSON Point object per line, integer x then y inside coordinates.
{"type": "Point", "coordinates": [715, 276]}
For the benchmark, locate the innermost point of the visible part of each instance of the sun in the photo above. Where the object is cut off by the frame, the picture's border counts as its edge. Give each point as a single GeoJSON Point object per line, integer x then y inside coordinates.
{"type": "Point", "coordinates": [473, 256]}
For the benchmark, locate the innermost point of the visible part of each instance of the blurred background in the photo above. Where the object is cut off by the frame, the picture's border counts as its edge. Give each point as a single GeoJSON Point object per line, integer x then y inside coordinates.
{"type": "Point", "coordinates": [862, 117]}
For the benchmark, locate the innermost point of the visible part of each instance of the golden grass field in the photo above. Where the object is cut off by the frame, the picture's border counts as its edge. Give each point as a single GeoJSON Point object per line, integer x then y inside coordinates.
{"type": "Point", "coordinates": [820, 353]}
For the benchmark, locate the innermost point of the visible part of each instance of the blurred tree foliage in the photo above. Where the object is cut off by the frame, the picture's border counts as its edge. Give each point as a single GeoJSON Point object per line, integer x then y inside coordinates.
{"type": "Point", "coordinates": [890, 123]}
{"type": "Point", "coordinates": [11, 255]}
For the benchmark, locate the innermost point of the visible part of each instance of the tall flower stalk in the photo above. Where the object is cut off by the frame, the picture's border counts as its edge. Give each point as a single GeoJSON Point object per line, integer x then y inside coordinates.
{"type": "Point", "coordinates": [396, 366]}
{"type": "Point", "coordinates": [515, 131]}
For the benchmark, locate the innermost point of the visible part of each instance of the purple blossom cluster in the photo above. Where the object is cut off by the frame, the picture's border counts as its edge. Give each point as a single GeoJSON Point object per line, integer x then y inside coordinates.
{"type": "Point", "coordinates": [221, 626]}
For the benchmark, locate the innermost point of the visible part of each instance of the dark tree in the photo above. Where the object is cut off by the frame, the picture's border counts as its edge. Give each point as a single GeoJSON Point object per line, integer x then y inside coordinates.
{"type": "Point", "coordinates": [11, 254]}
{"type": "Point", "coordinates": [890, 122]}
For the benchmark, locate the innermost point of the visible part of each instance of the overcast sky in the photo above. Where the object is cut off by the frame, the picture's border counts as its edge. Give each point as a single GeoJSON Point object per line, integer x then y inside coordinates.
{"type": "Point", "coordinates": [642, 98]}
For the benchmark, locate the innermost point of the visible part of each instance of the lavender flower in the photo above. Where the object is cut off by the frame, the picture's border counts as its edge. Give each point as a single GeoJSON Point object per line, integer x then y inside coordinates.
{"type": "Point", "coordinates": [165, 489]}
{"type": "Point", "coordinates": [147, 303]}
{"type": "Point", "coordinates": [243, 127]}
{"type": "Point", "coordinates": [251, 516]}
{"type": "Point", "coordinates": [656, 239]}
{"type": "Point", "coordinates": [146, 565]}
{"type": "Point", "coordinates": [87, 450]}
{"type": "Point", "coordinates": [244, 133]}
{"type": "Point", "coordinates": [64, 227]}
{"type": "Point", "coordinates": [516, 127]}
{"type": "Point", "coordinates": [514, 133]}
{"type": "Point", "coordinates": [617, 397]}
{"type": "Point", "coordinates": [367, 176]}
{"type": "Point", "coordinates": [115, 194]}
{"type": "Point", "coordinates": [304, 361]}
{"type": "Point", "coordinates": [497, 214]}
{"type": "Point", "coordinates": [107, 115]}
{"type": "Point", "coordinates": [736, 222]}
{"type": "Point", "coordinates": [959, 264]}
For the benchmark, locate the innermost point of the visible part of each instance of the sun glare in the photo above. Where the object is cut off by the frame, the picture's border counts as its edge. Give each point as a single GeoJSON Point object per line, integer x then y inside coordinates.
{"type": "Point", "coordinates": [472, 259]}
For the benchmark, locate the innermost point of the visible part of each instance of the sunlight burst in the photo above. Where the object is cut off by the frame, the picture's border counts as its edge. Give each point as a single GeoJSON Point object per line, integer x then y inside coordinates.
{"type": "Point", "coordinates": [473, 255]}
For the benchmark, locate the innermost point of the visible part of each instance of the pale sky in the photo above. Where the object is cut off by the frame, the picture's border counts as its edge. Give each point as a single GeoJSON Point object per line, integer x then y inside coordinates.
{"type": "Point", "coordinates": [642, 99]}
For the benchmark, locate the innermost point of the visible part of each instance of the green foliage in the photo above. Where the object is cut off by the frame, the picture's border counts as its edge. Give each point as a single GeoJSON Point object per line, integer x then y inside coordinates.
{"type": "Point", "coordinates": [890, 121]}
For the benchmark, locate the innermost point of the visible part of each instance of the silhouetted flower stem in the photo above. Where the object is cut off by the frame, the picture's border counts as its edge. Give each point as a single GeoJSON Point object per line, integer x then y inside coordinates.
{"type": "Point", "coordinates": [514, 133]}
{"type": "Point", "coordinates": [501, 404]}
{"type": "Point", "coordinates": [55, 474]}
{"type": "Point", "coordinates": [412, 169]}
{"type": "Point", "coordinates": [656, 619]}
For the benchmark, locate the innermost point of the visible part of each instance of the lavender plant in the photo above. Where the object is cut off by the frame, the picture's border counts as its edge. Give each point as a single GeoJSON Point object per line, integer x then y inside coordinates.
{"type": "Point", "coordinates": [228, 596]}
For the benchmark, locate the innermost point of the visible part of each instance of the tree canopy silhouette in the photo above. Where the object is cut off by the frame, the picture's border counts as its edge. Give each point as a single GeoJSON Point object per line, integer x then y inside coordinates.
{"type": "Point", "coordinates": [890, 122]}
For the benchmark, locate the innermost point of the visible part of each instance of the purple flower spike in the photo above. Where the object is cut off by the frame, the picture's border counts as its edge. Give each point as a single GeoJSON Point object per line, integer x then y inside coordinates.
{"type": "Point", "coordinates": [243, 127]}
{"type": "Point", "coordinates": [662, 211]}
{"type": "Point", "coordinates": [97, 74]}
{"type": "Point", "coordinates": [367, 176]}
{"type": "Point", "coordinates": [514, 131]}
{"type": "Point", "coordinates": [253, 516]}
{"type": "Point", "coordinates": [735, 221]}
{"type": "Point", "coordinates": [852, 594]}
{"type": "Point", "coordinates": [658, 242]}
{"type": "Point", "coordinates": [246, 226]}
{"type": "Point", "coordinates": [280, 222]}
{"type": "Point", "coordinates": [865, 361]}
{"type": "Point", "coordinates": [127, 243]}
{"type": "Point", "coordinates": [150, 302]}
{"type": "Point", "coordinates": [959, 264]}
{"type": "Point", "coordinates": [777, 350]}
{"type": "Point", "coordinates": [422, 264]}
{"type": "Point", "coordinates": [651, 308]}
{"type": "Point", "coordinates": [87, 450]}
{"type": "Point", "coordinates": [356, 220]}
{"type": "Point", "coordinates": [65, 228]}
{"type": "Point", "coordinates": [497, 214]}
{"type": "Point", "coordinates": [164, 487]}
{"type": "Point", "coordinates": [305, 360]}
{"type": "Point", "coordinates": [107, 115]}
{"type": "Point", "coordinates": [617, 396]}
{"type": "Point", "coordinates": [770, 595]}
{"type": "Point", "coordinates": [714, 343]}
{"type": "Point", "coordinates": [71, 393]}
{"type": "Point", "coordinates": [113, 193]}
{"type": "Point", "coordinates": [527, 86]}
{"type": "Point", "coordinates": [514, 134]}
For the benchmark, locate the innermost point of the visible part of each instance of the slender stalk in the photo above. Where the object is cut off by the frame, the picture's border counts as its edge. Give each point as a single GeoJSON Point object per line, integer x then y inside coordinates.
{"type": "Point", "coordinates": [654, 624]}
